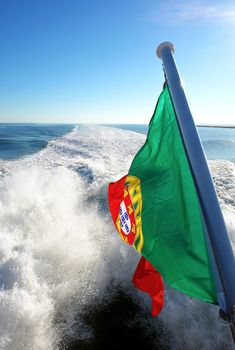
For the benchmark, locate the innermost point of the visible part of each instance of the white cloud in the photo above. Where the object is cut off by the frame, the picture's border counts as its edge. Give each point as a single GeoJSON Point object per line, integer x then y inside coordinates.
{"type": "Point", "coordinates": [190, 11]}
{"type": "Point", "coordinates": [175, 11]}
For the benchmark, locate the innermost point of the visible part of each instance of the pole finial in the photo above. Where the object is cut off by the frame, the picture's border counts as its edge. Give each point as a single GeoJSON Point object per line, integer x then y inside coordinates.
{"type": "Point", "coordinates": [162, 46]}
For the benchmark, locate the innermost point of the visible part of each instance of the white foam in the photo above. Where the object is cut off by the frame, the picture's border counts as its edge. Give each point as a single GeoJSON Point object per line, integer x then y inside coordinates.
{"type": "Point", "coordinates": [59, 251]}
{"type": "Point", "coordinates": [224, 178]}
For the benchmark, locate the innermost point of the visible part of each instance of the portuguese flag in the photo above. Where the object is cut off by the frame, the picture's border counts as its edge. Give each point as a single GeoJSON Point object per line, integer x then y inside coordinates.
{"type": "Point", "coordinates": [155, 208]}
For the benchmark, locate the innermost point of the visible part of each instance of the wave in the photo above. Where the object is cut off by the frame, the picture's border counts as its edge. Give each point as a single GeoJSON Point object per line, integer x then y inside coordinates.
{"type": "Point", "coordinates": [65, 274]}
{"type": "Point", "coordinates": [17, 140]}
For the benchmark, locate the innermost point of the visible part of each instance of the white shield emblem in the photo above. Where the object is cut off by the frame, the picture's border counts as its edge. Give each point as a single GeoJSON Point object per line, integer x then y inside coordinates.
{"type": "Point", "coordinates": [124, 219]}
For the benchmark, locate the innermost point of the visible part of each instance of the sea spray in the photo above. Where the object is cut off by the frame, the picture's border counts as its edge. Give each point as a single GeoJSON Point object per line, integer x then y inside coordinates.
{"type": "Point", "coordinates": [65, 276]}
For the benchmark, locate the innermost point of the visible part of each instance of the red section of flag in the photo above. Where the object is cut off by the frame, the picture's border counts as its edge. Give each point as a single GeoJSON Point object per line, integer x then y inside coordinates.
{"type": "Point", "coordinates": [149, 280]}
{"type": "Point", "coordinates": [115, 197]}
{"type": "Point", "coordinates": [123, 217]}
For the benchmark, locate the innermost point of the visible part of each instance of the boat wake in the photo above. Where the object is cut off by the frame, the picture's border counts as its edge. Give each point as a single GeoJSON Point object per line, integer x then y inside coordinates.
{"type": "Point", "coordinates": [65, 276]}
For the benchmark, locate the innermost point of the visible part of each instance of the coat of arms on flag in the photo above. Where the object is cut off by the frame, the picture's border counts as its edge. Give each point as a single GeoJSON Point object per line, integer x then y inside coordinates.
{"type": "Point", "coordinates": [126, 210]}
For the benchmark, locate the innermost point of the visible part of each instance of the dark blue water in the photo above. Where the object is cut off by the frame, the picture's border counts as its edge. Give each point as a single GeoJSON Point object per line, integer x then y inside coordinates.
{"type": "Point", "coordinates": [219, 143]}
{"type": "Point", "coordinates": [17, 140]}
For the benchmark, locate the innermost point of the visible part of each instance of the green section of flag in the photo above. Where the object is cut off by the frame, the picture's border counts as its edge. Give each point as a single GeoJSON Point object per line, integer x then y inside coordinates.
{"type": "Point", "coordinates": [174, 240]}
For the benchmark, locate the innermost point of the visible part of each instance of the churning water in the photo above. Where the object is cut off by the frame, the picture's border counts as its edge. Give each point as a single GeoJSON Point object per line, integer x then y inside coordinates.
{"type": "Point", "coordinates": [65, 275]}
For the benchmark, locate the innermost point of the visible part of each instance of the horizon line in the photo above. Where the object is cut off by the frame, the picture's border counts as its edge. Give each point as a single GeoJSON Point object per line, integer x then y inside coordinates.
{"type": "Point", "coordinates": [143, 124]}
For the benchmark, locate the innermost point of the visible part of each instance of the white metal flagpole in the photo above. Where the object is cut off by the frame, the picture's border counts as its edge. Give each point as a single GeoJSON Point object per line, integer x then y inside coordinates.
{"type": "Point", "coordinates": [211, 211]}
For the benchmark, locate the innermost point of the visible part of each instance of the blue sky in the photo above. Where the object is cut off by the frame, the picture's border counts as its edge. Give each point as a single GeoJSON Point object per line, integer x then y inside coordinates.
{"type": "Point", "coordinates": [76, 61]}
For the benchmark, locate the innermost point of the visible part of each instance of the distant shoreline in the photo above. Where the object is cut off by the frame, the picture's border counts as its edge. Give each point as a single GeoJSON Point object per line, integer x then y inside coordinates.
{"type": "Point", "coordinates": [217, 126]}
{"type": "Point", "coordinates": [197, 125]}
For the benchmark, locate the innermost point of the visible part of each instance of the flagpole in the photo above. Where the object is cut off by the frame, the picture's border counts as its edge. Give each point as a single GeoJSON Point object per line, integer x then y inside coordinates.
{"type": "Point", "coordinates": [213, 218]}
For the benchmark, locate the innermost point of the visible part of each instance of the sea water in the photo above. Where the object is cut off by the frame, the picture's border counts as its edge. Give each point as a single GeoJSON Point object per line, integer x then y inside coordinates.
{"type": "Point", "coordinates": [65, 275]}
{"type": "Point", "coordinates": [19, 139]}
